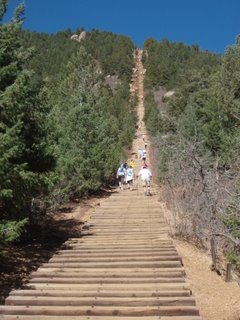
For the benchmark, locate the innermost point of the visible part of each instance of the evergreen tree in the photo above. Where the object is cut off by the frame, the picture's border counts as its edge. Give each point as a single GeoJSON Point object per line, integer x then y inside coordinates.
{"type": "Point", "coordinates": [85, 134]}
{"type": "Point", "coordinates": [23, 154]}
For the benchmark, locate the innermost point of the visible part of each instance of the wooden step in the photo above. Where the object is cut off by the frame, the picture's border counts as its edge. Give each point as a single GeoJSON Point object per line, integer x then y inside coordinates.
{"type": "Point", "coordinates": [162, 240]}
{"type": "Point", "coordinates": [99, 301]}
{"type": "Point", "coordinates": [132, 223]}
{"type": "Point", "coordinates": [136, 213]}
{"type": "Point", "coordinates": [104, 274]}
{"type": "Point", "coordinates": [118, 244]}
{"type": "Point", "coordinates": [80, 259]}
{"type": "Point", "coordinates": [77, 280]}
{"type": "Point", "coordinates": [130, 233]}
{"type": "Point", "coordinates": [102, 293]}
{"type": "Point", "coordinates": [114, 270]}
{"type": "Point", "coordinates": [113, 218]}
{"type": "Point", "coordinates": [114, 264]}
{"type": "Point", "coordinates": [129, 221]}
{"type": "Point", "coordinates": [133, 228]}
{"type": "Point", "coordinates": [60, 317]}
{"type": "Point", "coordinates": [129, 215]}
{"type": "Point", "coordinates": [66, 255]}
{"type": "Point", "coordinates": [109, 286]}
{"type": "Point", "coordinates": [98, 237]}
{"type": "Point", "coordinates": [151, 249]}
{"type": "Point", "coordinates": [100, 310]}
{"type": "Point", "coordinates": [140, 207]}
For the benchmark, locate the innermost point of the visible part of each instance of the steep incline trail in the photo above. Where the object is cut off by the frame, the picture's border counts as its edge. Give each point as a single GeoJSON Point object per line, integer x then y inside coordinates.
{"type": "Point", "coordinates": [125, 268]}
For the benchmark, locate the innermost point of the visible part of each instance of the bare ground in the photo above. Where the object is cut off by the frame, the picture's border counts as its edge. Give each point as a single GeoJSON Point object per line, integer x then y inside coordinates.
{"type": "Point", "coordinates": [216, 299]}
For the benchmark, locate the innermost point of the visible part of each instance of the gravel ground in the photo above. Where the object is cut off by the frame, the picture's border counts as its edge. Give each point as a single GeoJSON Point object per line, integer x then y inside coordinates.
{"type": "Point", "coordinates": [216, 299]}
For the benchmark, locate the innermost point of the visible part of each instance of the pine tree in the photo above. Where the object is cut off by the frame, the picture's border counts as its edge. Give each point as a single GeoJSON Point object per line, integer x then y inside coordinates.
{"type": "Point", "coordinates": [23, 152]}
{"type": "Point", "coordinates": [82, 129]}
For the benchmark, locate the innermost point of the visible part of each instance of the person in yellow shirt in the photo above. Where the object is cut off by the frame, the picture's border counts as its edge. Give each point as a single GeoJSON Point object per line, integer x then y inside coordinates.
{"type": "Point", "coordinates": [131, 163]}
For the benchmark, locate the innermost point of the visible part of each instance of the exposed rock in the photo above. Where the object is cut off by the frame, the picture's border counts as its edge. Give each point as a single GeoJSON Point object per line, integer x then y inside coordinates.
{"type": "Point", "coordinates": [112, 81]}
{"type": "Point", "coordinates": [159, 95]}
{"type": "Point", "coordinates": [82, 36]}
{"type": "Point", "coordinates": [79, 37]}
{"type": "Point", "coordinates": [74, 37]}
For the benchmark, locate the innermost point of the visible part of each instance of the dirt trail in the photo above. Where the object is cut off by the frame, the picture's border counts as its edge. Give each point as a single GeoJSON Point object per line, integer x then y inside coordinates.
{"type": "Point", "coordinates": [138, 89]}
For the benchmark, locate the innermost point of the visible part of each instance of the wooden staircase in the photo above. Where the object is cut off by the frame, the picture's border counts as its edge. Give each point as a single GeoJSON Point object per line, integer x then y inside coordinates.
{"type": "Point", "coordinates": [125, 267]}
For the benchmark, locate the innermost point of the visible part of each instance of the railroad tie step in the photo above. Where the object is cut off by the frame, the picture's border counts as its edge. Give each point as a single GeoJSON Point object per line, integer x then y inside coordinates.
{"type": "Point", "coordinates": [102, 293]}
{"type": "Point", "coordinates": [122, 311]}
{"type": "Point", "coordinates": [108, 286]}
{"type": "Point", "coordinates": [128, 275]}
{"type": "Point", "coordinates": [99, 301]}
{"type": "Point", "coordinates": [103, 280]}
{"type": "Point", "coordinates": [46, 317]}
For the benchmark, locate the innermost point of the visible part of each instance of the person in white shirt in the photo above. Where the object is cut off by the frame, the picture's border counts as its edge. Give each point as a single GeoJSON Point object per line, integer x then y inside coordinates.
{"type": "Point", "coordinates": [121, 172]}
{"type": "Point", "coordinates": [129, 177]}
{"type": "Point", "coordinates": [146, 176]}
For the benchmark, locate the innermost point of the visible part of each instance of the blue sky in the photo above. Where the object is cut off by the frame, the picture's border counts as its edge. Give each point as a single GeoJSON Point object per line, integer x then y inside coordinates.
{"type": "Point", "coordinates": [212, 24]}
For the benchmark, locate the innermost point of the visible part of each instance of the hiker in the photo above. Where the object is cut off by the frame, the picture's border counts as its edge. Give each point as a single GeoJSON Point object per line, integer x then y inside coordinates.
{"type": "Point", "coordinates": [131, 163]}
{"type": "Point", "coordinates": [125, 166]}
{"type": "Point", "coordinates": [121, 176]}
{"type": "Point", "coordinates": [129, 177]}
{"type": "Point", "coordinates": [144, 164]}
{"type": "Point", "coordinates": [144, 154]}
{"type": "Point", "coordinates": [146, 176]}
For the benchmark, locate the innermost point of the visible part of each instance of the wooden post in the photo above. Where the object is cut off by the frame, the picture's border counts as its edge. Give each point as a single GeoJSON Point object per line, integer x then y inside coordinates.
{"type": "Point", "coordinates": [213, 253]}
{"type": "Point", "coordinates": [228, 272]}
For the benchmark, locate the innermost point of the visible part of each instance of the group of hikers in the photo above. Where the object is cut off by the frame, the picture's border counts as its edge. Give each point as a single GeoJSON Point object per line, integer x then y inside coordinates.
{"type": "Point", "coordinates": [125, 175]}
